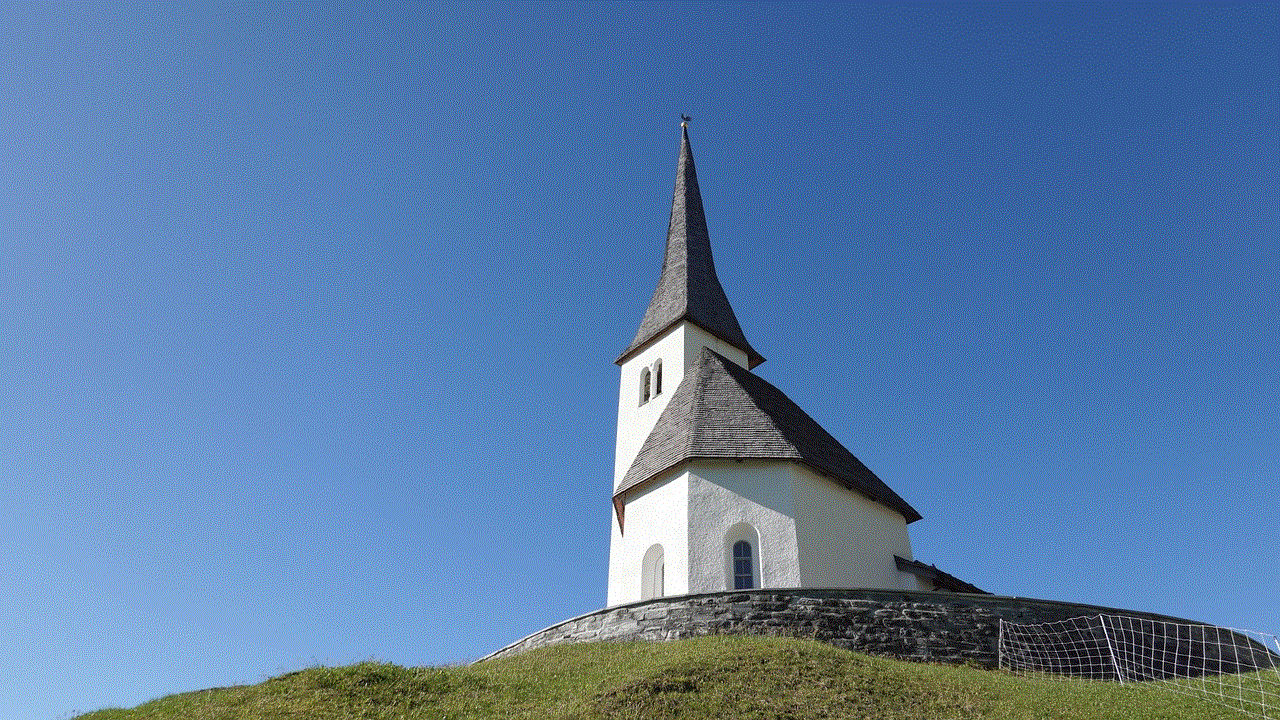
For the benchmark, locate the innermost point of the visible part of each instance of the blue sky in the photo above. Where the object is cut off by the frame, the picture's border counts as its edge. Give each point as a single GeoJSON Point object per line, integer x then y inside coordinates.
{"type": "Point", "coordinates": [310, 309]}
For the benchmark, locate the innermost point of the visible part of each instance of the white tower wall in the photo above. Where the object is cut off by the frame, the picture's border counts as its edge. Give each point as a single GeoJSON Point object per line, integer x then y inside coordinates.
{"type": "Point", "coordinates": [653, 514]}
{"type": "Point", "coordinates": [676, 348]}
{"type": "Point", "coordinates": [810, 531]}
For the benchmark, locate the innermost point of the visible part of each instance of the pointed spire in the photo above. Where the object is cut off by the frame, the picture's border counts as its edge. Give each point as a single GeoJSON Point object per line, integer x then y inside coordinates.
{"type": "Point", "coordinates": [689, 288]}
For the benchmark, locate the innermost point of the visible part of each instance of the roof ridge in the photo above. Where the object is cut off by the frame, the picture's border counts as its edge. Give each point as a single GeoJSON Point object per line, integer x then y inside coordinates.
{"type": "Point", "coordinates": [773, 422]}
{"type": "Point", "coordinates": [699, 391]}
{"type": "Point", "coordinates": [786, 431]}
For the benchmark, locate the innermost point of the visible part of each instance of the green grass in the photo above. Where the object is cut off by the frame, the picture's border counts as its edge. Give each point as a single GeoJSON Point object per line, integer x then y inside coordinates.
{"type": "Point", "coordinates": [715, 677]}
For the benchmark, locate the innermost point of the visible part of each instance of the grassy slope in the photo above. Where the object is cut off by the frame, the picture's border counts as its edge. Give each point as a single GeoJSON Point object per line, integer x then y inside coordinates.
{"type": "Point", "coordinates": [716, 677]}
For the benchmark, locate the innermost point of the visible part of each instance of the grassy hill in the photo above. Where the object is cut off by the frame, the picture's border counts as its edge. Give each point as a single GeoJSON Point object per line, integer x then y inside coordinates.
{"type": "Point", "coordinates": [716, 677]}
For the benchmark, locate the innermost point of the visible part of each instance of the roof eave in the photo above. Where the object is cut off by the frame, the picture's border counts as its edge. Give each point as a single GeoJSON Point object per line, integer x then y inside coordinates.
{"type": "Point", "coordinates": [902, 507]}
{"type": "Point", "coordinates": [909, 514]}
{"type": "Point", "coordinates": [753, 358]}
{"type": "Point", "coordinates": [941, 579]}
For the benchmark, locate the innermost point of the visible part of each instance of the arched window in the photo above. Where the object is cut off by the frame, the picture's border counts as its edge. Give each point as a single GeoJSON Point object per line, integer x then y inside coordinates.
{"type": "Point", "coordinates": [651, 572]}
{"type": "Point", "coordinates": [644, 386]}
{"type": "Point", "coordinates": [742, 569]}
{"type": "Point", "coordinates": [657, 377]}
{"type": "Point", "coordinates": [744, 577]}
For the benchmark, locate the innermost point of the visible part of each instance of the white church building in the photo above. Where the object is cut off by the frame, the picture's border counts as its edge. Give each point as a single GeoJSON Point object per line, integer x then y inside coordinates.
{"type": "Point", "coordinates": [721, 482]}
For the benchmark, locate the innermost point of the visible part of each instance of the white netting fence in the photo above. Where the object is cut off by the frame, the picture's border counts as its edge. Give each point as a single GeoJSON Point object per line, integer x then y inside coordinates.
{"type": "Point", "coordinates": [1236, 668]}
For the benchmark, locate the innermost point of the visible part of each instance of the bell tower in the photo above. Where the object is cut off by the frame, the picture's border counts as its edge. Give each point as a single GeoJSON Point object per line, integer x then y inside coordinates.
{"type": "Point", "coordinates": [688, 311]}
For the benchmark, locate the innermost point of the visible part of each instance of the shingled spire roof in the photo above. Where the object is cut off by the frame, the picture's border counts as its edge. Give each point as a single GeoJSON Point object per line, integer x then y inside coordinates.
{"type": "Point", "coordinates": [689, 289]}
{"type": "Point", "coordinates": [721, 410]}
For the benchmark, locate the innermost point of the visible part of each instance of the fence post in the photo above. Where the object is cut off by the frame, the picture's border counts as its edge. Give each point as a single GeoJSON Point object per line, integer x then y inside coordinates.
{"type": "Point", "coordinates": [1111, 648]}
{"type": "Point", "coordinates": [1000, 645]}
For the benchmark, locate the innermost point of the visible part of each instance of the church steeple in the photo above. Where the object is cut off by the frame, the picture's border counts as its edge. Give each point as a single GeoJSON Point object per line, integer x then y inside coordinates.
{"type": "Point", "coordinates": [689, 288]}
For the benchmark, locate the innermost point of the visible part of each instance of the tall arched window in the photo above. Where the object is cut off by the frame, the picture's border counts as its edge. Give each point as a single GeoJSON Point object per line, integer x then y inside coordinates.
{"type": "Point", "coordinates": [652, 569]}
{"type": "Point", "coordinates": [657, 377]}
{"type": "Point", "coordinates": [742, 561]}
{"type": "Point", "coordinates": [744, 577]}
{"type": "Point", "coordinates": [644, 386]}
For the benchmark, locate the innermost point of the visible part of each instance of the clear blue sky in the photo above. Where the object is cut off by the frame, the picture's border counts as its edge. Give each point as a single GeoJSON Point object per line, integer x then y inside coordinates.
{"type": "Point", "coordinates": [310, 310]}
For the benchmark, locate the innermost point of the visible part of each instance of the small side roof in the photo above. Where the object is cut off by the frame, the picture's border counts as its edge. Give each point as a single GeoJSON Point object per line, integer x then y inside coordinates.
{"type": "Point", "coordinates": [940, 579]}
{"type": "Point", "coordinates": [722, 410]}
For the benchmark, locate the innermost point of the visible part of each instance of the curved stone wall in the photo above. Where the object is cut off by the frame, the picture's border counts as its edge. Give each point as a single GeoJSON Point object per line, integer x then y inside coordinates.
{"type": "Point", "coordinates": [919, 625]}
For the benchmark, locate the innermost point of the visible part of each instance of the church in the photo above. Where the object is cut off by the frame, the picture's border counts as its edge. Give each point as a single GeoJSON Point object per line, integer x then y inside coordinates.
{"type": "Point", "coordinates": [735, 512]}
{"type": "Point", "coordinates": [721, 482]}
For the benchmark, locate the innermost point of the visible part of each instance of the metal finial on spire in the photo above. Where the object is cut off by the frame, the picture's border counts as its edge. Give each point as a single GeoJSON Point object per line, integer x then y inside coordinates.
{"type": "Point", "coordinates": [684, 120]}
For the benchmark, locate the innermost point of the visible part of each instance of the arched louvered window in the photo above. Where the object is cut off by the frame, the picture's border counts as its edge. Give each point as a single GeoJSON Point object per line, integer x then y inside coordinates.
{"type": "Point", "coordinates": [743, 567]}
{"type": "Point", "coordinates": [644, 386]}
{"type": "Point", "coordinates": [657, 377]}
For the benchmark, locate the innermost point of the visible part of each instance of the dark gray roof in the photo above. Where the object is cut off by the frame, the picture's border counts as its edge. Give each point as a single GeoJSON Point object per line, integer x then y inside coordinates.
{"type": "Point", "coordinates": [940, 580]}
{"type": "Point", "coordinates": [722, 410]}
{"type": "Point", "coordinates": [689, 288]}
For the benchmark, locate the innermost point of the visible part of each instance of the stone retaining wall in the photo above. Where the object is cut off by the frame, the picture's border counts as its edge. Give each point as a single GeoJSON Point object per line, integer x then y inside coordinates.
{"type": "Point", "coordinates": [924, 626]}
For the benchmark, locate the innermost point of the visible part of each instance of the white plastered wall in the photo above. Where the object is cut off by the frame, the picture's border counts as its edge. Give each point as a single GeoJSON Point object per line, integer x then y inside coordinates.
{"type": "Point", "coordinates": [846, 539]}
{"type": "Point", "coordinates": [723, 493]}
{"type": "Point", "coordinates": [812, 531]}
{"type": "Point", "coordinates": [655, 514]}
{"type": "Point", "coordinates": [695, 338]}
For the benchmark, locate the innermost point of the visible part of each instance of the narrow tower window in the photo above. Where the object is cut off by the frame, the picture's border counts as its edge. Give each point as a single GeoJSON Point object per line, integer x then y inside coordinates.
{"type": "Point", "coordinates": [743, 576]}
{"type": "Point", "coordinates": [644, 386]}
{"type": "Point", "coordinates": [657, 377]}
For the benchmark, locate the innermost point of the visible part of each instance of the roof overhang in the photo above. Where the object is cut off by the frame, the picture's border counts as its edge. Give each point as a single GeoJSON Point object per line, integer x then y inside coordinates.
{"type": "Point", "coordinates": [620, 495]}
{"type": "Point", "coordinates": [753, 358]}
{"type": "Point", "coordinates": [940, 579]}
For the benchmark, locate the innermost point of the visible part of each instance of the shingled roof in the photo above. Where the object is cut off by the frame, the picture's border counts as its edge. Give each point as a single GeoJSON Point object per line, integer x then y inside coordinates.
{"type": "Point", "coordinates": [689, 288]}
{"type": "Point", "coordinates": [722, 410]}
